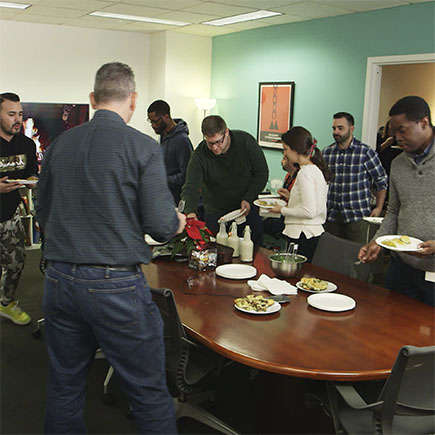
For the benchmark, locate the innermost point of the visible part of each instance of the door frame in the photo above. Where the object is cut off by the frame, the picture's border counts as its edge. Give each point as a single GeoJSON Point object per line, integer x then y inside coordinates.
{"type": "Point", "coordinates": [373, 89]}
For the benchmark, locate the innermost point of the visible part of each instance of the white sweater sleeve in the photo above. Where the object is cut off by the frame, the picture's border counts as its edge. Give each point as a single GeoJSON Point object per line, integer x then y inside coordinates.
{"type": "Point", "coordinates": [304, 202]}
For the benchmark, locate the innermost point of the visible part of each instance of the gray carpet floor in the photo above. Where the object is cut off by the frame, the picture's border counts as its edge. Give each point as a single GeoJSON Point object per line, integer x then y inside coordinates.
{"type": "Point", "coordinates": [250, 401]}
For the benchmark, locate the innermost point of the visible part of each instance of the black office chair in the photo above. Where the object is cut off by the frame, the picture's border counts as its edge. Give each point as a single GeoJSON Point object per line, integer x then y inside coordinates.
{"type": "Point", "coordinates": [192, 369]}
{"type": "Point", "coordinates": [340, 255]}
{"type": "Point", "coordinates": [406, 404]}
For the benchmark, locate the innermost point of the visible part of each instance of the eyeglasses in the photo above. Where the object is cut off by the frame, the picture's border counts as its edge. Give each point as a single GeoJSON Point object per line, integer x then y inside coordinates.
{"type": "Point", "coordinates": [218, 142]}
{"type": "Point", "coordinates": [154, 121]}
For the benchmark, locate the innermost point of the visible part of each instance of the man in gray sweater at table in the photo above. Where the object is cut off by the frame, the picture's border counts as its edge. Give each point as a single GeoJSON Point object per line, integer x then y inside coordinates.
{"type": "Point", "coordinates": [102, 187]}
{"type": "Point", "coordinates": [411, 206]}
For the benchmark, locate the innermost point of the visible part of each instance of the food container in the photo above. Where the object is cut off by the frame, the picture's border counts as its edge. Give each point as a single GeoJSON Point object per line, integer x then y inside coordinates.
{"type": "Point", "coordinates": [202, 259]}
{"type": "Point", "coordinates": [286, 265]}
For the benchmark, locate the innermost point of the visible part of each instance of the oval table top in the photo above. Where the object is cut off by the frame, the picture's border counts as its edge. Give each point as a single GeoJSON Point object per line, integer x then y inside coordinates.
{"type": "Point", "coordinates": [298, 340]}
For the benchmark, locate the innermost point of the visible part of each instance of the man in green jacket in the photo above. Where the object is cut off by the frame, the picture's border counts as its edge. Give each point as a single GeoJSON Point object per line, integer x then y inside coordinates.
{"type": "Point", "coordinates": [229, 170]}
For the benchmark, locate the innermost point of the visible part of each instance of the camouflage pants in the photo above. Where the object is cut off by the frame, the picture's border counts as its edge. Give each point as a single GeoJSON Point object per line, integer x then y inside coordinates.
{"type": "Point", "coordinates": [12, 256]}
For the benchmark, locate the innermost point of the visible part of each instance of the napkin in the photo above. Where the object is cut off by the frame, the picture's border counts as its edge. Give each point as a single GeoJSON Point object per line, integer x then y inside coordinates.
{"type": "Point", "coordinates": [273, 285]}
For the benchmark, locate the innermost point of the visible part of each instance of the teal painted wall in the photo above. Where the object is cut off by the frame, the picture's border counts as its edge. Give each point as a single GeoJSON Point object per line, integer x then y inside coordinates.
{"type": "Point", "coordinates": [327, 60]}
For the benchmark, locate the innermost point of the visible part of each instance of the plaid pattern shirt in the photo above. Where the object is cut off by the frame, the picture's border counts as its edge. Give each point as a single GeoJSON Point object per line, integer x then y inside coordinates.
{"type": "Point", "coordinates": [356, 169]}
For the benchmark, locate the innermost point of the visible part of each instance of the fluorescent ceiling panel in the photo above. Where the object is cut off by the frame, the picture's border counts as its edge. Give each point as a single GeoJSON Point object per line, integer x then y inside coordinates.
{"type": "Point", "coordinates": [137, 18]}
{"type": "Point", "coordinates": [13, 5]}
{"type": "Point", "coordinates": [240, 18]}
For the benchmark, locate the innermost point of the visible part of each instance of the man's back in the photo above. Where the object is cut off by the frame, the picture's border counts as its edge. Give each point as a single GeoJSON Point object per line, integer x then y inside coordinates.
{"type": "Point", "coordinates": [104, 181]}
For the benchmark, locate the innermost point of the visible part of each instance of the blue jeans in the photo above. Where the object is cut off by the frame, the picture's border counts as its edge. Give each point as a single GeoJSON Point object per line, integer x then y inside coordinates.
{"type": "Point", "coordinates": [86, 308]}
{"type": "Point", "coordinates": [405, 279]}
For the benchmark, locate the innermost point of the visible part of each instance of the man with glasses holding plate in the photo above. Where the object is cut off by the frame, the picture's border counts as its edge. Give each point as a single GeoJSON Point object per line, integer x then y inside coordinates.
{"type": "Point", "coordinates": [229, 170]}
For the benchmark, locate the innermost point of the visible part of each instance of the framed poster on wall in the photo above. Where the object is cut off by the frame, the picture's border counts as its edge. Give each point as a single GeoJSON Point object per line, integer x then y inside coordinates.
{"type": "Point", "coordinates": [275, 112]}
{"type": "Point", "coordinates": [43, 122]}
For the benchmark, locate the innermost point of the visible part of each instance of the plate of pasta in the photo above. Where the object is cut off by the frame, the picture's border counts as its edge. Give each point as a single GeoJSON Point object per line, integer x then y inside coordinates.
{"type": "Point", "coordinates": [269, 203]}
{"type": "Point", "coordinates": [400, 243]}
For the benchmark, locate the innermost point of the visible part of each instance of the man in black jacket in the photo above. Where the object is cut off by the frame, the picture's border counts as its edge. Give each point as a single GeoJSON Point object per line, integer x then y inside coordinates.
{"type": "Point", "coordinates": [175, 142]}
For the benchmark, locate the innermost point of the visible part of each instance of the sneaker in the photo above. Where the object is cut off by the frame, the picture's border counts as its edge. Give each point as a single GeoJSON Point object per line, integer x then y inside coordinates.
{"type": "Point", "coordinates": [13, 312]}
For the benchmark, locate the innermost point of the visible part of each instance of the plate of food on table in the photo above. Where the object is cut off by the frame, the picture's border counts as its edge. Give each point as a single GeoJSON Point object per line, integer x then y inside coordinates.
{"type": "Point", "coordinates": [256, 304]}
{"type": "Point", "coordinates": [315, 285]}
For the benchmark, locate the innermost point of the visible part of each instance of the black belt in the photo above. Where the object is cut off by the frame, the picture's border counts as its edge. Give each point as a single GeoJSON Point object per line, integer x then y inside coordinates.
{"type": "Point", "coordinates": [133, 268]}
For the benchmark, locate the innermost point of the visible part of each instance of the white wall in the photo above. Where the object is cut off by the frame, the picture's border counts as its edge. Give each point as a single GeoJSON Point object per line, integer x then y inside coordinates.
{"type": "Point", "coordinates": [57, 64]}
{"type": "Point", "coordinates": [46, 63]}
{"type": "Point", "coordinates": [180, 71]}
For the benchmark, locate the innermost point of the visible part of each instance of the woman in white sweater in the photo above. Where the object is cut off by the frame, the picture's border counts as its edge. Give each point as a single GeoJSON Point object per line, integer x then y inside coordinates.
{"type": "Point", "coordinates": [305, 213]}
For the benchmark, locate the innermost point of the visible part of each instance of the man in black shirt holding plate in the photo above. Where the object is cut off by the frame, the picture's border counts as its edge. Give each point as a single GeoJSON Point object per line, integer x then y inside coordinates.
{"type": "Point", "coordinates": [17, 162]}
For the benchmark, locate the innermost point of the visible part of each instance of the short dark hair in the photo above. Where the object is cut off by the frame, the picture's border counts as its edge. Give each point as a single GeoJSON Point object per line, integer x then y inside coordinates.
{"type": "Point", "coordinates": [9, 96]}
{"type": "Point", "coordinates": [212, 125]}
{"type": "Point", "coordinates": [346, 115]}
{"type": "Point", "coordinates": [113, 82]}
{"type": "Point", "coordinates": [413, 107]}
{"type": "Point", "coordinates": [159, 107]}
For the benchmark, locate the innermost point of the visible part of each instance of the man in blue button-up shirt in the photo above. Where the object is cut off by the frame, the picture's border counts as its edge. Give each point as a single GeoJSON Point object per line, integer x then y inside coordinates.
{"type": "Point", "coordinates": [357, 169]}
{"type": "Point", "coordinates": [102, 187]}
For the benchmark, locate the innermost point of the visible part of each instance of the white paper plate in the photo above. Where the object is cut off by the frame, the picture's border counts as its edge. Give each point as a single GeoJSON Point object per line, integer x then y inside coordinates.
{"type": "Point", "coordinates": [331, 302]}
{"type": "Point", "coordinates": [22, 181]}
{"type": "Point", "coordinates": [269, 310]}
{"type": "Point", "coordinates": [331, 288]}
{"type": "Point", "coordinates": [236, 271]}
{"type": "Point", "coordinates": [270, 202]}
{"type": "Point", "coordinates": [373, 220]}
{"type": "Point", "coordinates": [236, 215]}
{"type": "Point", "coordinates": [402, 248]}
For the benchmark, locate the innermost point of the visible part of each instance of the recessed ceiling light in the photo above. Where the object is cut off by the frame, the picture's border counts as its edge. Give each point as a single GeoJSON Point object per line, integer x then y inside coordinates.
{"type": "Point", "coordinates": [13, 5]}
{"type": "Point", "coordinates": [240, 18]}
{"type": "Point", "coordinates": [138, 18]}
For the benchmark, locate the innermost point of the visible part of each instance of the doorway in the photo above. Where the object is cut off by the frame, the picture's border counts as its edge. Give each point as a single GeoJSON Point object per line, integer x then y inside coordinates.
{"type": "Point", "coordinates": [373, 89]}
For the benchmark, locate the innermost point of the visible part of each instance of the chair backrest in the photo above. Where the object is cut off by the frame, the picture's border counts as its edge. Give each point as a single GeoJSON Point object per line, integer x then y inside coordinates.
{"type": "Point", "coordinates": [173, 329]}
{"type": "Point", "coordinates": [410, 389]}
{"type": "Point", "coordinates": [187, 362]}
{"type": "Point", "coordinates": [340, 255]}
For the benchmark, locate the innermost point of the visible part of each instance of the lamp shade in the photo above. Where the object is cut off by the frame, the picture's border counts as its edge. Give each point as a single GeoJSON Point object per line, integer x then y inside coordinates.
{"type": "Point", "coordinates": [205, 103]}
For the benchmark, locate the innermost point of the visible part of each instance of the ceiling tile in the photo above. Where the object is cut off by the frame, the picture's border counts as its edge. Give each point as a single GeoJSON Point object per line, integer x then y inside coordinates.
{"type": "Point", "coordinates": [53, 12]}
{"type": "Point", "coordinates": [364, 5]}
{"type": "Point", "coordinates": [168, 4]}
{"type": "Point", "coordinates": [259, 4]}
{"type": "Point", "coordinates": [142, 11]}
{"type": "Point", "coordinates": [97, 23]}
{"type": "Point", "coordinates": [7, 14]}
{"type": "Point", "coordinates": [137, 26]}
{"type": "Point", "coordinates": [188, 17]}
{"type": "Point", "coordinates": [39, 19]}
{"type": "Point", "coordinates": [312, 10]}
{"type": "Point", "coordinates": [203, 30]}
{"type": "Point", "coordinates": [219, 9]}
{"type": "Point", "coordinates": [83, 5]}
{"type": "Point", "coordinates": [284, 19]}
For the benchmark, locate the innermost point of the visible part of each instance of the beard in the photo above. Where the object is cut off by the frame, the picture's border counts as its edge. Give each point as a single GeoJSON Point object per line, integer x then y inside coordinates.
{"type": "Point", "coordinates": [13, 129]}
{"type": "Point", "coordinates": [341, 138]}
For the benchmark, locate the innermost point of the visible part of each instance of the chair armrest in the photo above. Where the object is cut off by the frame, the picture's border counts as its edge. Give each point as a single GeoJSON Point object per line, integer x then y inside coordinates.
{"type": "Point", "coordinates": [191, 343]}
{"type": "Point", "coordinates": [160, 291]}
{"type": "Point", "coordinates": [402, 409]}
{"type": "Point", "coordinates": [353, 398]}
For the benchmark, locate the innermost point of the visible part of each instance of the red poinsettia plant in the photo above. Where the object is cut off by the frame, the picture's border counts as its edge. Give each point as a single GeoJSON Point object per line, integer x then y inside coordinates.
{"type": "Point", "coordinates": [196, 235]}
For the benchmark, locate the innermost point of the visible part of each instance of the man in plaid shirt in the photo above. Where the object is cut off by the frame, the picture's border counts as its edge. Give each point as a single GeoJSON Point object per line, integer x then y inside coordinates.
{"type": "Point", "coordinates": [357, 168]}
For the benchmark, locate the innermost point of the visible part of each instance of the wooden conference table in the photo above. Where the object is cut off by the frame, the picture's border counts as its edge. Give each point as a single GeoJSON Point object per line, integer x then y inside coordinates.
{"type": "Point", "coordinates": [298, 340]}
